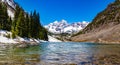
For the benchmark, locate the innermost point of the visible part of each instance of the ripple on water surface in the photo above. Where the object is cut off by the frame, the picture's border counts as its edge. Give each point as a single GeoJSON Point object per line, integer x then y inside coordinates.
{"type": "Point", "coordinates": [67, 53]}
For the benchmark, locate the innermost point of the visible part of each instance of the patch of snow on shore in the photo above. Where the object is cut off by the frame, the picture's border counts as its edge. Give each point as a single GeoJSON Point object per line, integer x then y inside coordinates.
{"type": "Point", "coordinates": [3, 37]}
{"type": "Point", "coordinates": [6, 40]}
{"type": "Point", "coordinates": [6, 37]}
{"type": "Point", "coordinates": [52, 39]}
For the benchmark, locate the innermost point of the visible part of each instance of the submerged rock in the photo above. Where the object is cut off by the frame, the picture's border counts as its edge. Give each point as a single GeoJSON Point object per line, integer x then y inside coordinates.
{"type": "Point", "coordinates": [22, 46]}
{"type": "Point", "coordinates": [26, 44]}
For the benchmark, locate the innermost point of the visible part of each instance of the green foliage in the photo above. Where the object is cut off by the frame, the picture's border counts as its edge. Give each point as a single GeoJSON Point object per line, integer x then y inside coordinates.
{"type": "Point", "coordinates": [13, 34]}
{"type": "Point", "coordinates": [20, 25]}
{"type": "Point", "coordinates": [26, 25]}
{"type": "Point", "coordinates": [5, 22]}
{"type": "Point", "coordinates": [9, 24]}
{"type": "Point", "coordinates": [23, 24]}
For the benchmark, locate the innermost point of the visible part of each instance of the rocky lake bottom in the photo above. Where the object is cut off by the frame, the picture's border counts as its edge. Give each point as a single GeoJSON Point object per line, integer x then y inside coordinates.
{"type": "Point", "coordinates": [62, 53]}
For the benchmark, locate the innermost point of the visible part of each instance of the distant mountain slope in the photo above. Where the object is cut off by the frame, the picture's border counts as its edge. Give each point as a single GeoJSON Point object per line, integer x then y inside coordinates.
{"type": "Point", "coordinates": [104, 28]}
{"type": "Point", "coordinates": [64, 27]}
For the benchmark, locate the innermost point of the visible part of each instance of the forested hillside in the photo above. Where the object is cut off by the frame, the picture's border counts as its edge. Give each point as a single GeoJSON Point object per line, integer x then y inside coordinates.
{"type": "Point", "coordinates": [23, 24]}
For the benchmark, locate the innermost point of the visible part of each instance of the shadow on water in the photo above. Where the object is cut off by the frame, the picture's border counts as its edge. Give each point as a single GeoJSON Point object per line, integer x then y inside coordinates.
{"type": "Point", "coordinates": [67, 53]}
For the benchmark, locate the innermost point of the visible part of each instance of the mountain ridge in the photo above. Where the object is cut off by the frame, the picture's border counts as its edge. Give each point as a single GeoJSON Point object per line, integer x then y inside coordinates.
{"type": "Point", "coordinates": [104, 28]}
{"type": "Point", "coordinates": [63, 26]}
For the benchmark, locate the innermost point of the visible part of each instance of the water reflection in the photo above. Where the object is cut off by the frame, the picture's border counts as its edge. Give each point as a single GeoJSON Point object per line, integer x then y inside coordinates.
{"type": "Point", "coordinates": [61, 54]}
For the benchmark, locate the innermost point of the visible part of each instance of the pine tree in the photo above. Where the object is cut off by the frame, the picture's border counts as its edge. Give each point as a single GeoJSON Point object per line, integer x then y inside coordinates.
{"type": "Point", "coordinates": [32, 24]}
{"type": "Point", "coordinates": [4, 22]}
{"type": "Point", "coordinates": [5, 14]}
{"type": "Point", "coordinates": [16, 15]}
{"type": "Point", "coordinates": [36, 25]}
{"type": "Point", "coordinates": [28, 25]}
{"type": "Point", "coordinates": [1, 16]}
{"type": "Point", "coordinates": [9, 24]}
{"type": "Point", "coordinates": [20, 25]}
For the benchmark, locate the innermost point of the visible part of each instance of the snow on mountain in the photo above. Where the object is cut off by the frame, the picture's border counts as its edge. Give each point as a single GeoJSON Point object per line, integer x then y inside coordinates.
{"type": "Point", "coordinates": [10, 13]}
{"type": "Point", "coordinates": [62, 26]}
{"type": "Point", "coordinates": [52, 39]}
{"type": "Point", "coordinates": [10, 3]}
{"type": "Point", "coordinates": [10, 7]}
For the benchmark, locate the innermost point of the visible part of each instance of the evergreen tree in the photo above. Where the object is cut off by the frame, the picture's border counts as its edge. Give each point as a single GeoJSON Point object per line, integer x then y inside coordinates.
{"type": "Point", "coordinates": [25, 25]}
{"type": "Point", "coordinates": [30, 26]}
{"type": "Point", "coordinates": [4, 18]}
{"type": "Point", "coordinates": [20, 25]}
{"type": "Point", "coordinates": [1, 16]}
{"type": "Point", "coordinates": [16, 16]}
{"type": "Point", "coordinates": [36, 25]}
{"type": "Point", "coordinates": [9, 24]}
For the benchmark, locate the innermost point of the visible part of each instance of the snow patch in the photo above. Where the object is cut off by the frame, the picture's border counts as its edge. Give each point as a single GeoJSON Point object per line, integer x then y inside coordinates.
{"type": "Point", "coordinates": [6, 40]}
{"type": "Point", "coordinates": [5, 37]}
{"type": "Point", "coordinates": [52, 39]}
{"type": "Point", "coordinates": [10, 13]}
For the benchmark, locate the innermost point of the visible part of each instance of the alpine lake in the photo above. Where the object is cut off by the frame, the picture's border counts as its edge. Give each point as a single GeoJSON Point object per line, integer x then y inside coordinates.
{"type": "Point", "coordinates": [61, 53]}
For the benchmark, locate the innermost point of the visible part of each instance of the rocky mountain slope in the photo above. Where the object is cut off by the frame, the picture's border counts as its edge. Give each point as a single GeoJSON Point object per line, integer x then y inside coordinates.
{"type": "Point", "coordinates": [10, 7]}
{"type": "Point", "coordinates": [63, 26]}
{"type": "Point", "coordinates": [105, 28]}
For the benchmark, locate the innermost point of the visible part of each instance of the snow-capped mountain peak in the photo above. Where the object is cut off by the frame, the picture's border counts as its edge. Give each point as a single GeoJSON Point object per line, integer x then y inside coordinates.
{"type": "Point", "coordinates": [62, 26]}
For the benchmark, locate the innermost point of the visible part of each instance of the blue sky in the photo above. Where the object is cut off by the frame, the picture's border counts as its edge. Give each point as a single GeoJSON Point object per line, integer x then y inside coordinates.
{"type": "Point", "coordinates": [70, 10]}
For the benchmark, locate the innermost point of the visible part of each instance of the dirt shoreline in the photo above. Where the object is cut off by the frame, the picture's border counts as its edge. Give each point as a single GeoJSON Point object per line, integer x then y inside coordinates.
{"type": "Point", "coordinates": [99, 42]}
{"type": "Point", "coordinates": [21, 44]}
